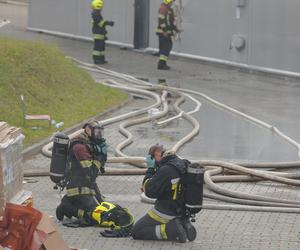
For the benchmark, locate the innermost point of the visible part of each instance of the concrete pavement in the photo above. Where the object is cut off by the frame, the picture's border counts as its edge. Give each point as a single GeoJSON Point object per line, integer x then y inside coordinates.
{"type": "Point", "coordinates": [274, 99]}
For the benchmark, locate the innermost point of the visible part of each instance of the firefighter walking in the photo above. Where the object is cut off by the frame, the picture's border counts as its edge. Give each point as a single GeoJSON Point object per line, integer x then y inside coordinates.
{"type": "Point", "coordinates": [166, 30]}
{"type": "Point", "coordinates": [99, 31]}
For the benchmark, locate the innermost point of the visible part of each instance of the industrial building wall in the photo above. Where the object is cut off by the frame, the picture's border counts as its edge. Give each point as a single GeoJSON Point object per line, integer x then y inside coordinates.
{"type": "Point", "coordinates": [73, 17]}
{"type": "Point", "coordinates": [275, 34]}
{"type": "Point", "coordinates": [258, 33]}
{"type": "Point", "coordinates": [208, 26]}
{"type": "Point", "coordinates": [269, 27]}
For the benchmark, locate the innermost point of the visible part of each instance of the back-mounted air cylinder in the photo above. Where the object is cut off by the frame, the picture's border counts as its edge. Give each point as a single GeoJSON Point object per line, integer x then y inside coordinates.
{"type": "Point", "coordinates": [194, 182]}
{"type": "Point", "coordinates": [59, 158]}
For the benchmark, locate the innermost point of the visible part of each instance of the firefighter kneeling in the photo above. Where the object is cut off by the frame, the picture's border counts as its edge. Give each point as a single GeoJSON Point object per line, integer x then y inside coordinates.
{"type": "Point", "coordinates": [75, 165]}
{"type": "Point", "coordinates": [177, 186]}
{"type": "Point", "coordinates": [87, 156]}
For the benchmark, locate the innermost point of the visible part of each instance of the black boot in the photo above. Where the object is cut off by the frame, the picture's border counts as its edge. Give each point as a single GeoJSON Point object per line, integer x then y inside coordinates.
{"type": "Point", "coordinates": [60, 212]}
{"type": "Point", "coordinates": [162, 65]}
{"type": "Point", "coordinates": [101, 60]}
{"type": "Point", "coordinates": [181, 233]}
{"type": "Point", "coordinates": [65, 208]}
{"type": "Point", "coordinates": [190, 230]}
{"type": "Point", "coordinates": [176, 231]}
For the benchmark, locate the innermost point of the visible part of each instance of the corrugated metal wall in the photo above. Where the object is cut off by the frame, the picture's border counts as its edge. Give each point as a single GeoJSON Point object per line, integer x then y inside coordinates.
{"type": "Point", "coordinates": [269, 27]}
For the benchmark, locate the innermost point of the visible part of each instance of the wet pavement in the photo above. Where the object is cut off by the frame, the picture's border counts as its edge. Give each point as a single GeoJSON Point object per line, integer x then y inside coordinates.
{"type": "Point", "coordinates": [272, 99]}
{"type": "Point", "coordinates": [222, 136]}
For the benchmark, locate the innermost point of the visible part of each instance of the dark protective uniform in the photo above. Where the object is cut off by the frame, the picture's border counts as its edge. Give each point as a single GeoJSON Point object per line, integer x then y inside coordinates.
{"type": "Point", "coordinates": [99, 35]}
{"type": "Point", "coordinates": [83, 194]}
{"type": "Point", "coordinates": [165, 30]}
{"type": "Point", "coordinates": [164, 221]}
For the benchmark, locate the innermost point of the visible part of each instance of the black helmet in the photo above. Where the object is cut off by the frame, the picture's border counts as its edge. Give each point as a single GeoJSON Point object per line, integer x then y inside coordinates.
{"type": "Point", "coordinates": [96, 130]}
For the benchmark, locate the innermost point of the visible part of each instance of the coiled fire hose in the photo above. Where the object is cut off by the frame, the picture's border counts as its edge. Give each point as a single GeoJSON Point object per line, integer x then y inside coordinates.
{"type": "Point", "coordinates": [249, 202]}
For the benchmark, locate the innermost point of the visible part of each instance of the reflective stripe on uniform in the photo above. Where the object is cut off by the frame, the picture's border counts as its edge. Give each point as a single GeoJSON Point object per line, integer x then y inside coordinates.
{"type": "Point", "coordinates": [174, 181]}
{"type": "Point", "coordinates": [163, 25]}
{"type": "Point", "coordinates": [99, 36]}
{"type": "Point", "coordinates": [159, 31]}
{"type": "Point", "coordinates": [164, 216]}
{"type": "Point", "coordinates": [156, 217]}
{"type": "Point", "coordinates": [80, 213]}
{"type": "Point", "coordinates": [175, 187]}
{"type": "Point", "coordinates": [144, 185]}
{"type": "Point", "coordinates": [157, 232]}
{"type": "Point", "coordinates": [86, 163]}
{"type": "Point", "coordinates": [98, 53]}
{"type": "Point", "coordinates": [97, 163]}
{"type": "Point", "coordinates": [101, 24]}
{"type": "Point", "coordinates": [161, 16]}
{"type": "Point", "coordinates": [163, 231]}
{"type": "Point", "coordinates": [160, 217]}
{"type": "Point", "coordinates": [163, 58]}
{"type": "Point", "coordinates": [79, 191]}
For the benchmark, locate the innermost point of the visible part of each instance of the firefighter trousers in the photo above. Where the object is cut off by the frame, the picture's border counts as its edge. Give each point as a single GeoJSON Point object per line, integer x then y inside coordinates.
{"type": "Point", "coordinates": [165, 47]}
{"type": "Point", "coordinates": [99, 49]}
{"type": "Point", "coordinates": [80, 206]}
{"type": "Point", "coordinates": [154, 226]}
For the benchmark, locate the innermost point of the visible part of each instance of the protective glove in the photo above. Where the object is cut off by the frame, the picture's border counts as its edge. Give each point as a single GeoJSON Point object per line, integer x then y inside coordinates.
{"type": "Point", "coordinates": [150, 161]}
{"type": "Point", "coordinates": [110, 23]}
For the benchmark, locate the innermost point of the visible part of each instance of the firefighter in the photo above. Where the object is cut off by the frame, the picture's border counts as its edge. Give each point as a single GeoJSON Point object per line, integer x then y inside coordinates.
{"type": "Point", "coordinates": [99, 32]}
{"type": "Point", "coordinates": [166, 30]}
{"type": "Point", "coordinates": [166, 221]}
{"type": "Point", "coordinates": [87, 156]}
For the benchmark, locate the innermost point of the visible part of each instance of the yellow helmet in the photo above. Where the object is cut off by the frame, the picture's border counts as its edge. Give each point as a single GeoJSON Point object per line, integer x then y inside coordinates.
{"type": "Point", "coordinates": [97, 4]}
{"type": "Point", "coordinates": [168, 1]}
{"type": "Point", "coordinates": [102, 215]}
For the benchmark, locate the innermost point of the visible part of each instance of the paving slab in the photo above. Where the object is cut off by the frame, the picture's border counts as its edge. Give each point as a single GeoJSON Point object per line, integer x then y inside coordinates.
{"type": "Point", "coordinates": [216, 229]}
{"type": "Point", "coordinates": [273, 99]}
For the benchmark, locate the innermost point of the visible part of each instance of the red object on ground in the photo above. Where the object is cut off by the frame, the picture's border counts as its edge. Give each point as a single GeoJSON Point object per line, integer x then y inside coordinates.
{"type": "Point", "coordinates": [18, 226]}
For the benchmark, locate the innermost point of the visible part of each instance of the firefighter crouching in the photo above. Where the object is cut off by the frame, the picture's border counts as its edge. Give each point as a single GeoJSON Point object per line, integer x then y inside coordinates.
{"type": "Point", "coordinates": [177, 186]}
{"type": "Point", "coordinates": [166, 30]}
{"type": "Point", "coordinates": [87, 157]}
{"type": "Point", "coordinates": [99, 32]}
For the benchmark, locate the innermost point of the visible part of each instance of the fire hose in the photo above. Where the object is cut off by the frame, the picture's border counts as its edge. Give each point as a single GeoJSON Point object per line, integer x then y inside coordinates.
{"type": "Point", "coordinates": [245, 170]}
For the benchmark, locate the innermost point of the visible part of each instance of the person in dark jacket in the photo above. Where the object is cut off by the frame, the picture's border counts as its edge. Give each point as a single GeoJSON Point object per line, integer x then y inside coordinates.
{"type": "Point", "coordinates": [166, 30]}
{"type": "Point", "coordinates": [165, 221]}
{"type": "Point", "coordinates": [88, 155]}
{"type": "Point", "coordinates": [99, 32]}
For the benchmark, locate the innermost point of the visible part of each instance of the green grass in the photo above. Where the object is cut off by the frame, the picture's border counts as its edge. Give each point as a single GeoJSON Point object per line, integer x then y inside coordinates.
{"type": "Point", "coordinates": [51, 85]}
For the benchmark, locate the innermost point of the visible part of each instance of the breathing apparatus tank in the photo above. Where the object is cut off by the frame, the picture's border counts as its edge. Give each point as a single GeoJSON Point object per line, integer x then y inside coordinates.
{"type": "Point", "coordinates": [59, 159]}
{"type": "Point", "coordinates": [194, 181]}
